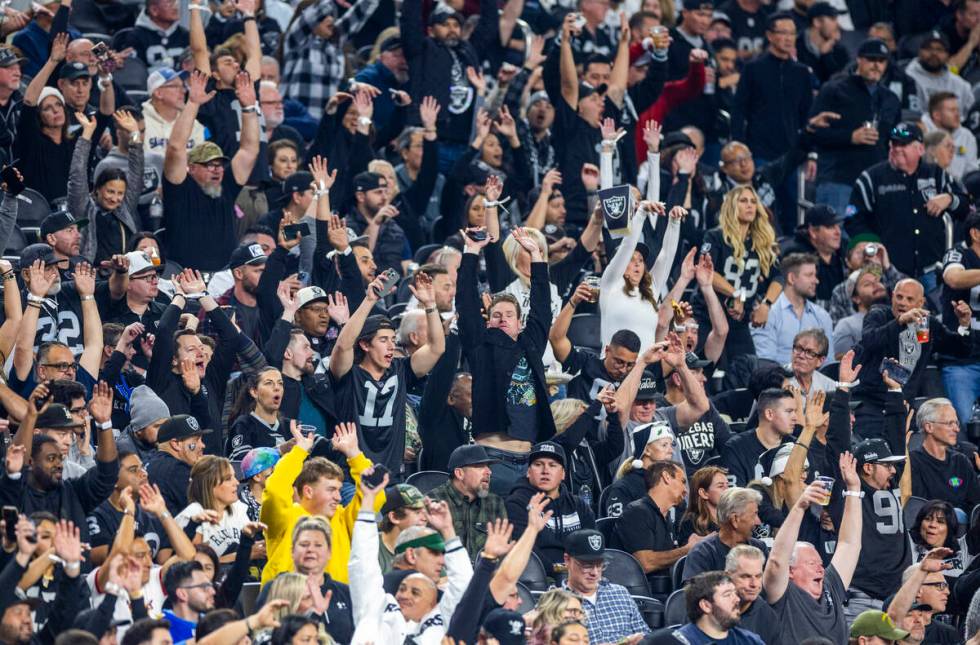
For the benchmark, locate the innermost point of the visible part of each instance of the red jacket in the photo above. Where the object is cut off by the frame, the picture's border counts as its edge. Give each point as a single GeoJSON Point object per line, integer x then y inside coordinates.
{"type": "Point", "coordinates": [674, 94]}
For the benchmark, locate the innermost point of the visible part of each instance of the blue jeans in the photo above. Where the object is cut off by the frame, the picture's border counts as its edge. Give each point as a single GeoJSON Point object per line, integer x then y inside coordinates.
{"type": "Point", "coordinates": [962, 383]}
{"type": "Point", "coordinates": [509, 468]}
{"type": "Point", "coordinates": [836, 195]}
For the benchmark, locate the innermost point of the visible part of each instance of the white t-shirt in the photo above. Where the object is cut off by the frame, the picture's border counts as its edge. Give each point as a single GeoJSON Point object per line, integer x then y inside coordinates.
{"type": "Point", "coordinates": [224, 536]}
{"type": "Point", "coordinates": [153, 597]}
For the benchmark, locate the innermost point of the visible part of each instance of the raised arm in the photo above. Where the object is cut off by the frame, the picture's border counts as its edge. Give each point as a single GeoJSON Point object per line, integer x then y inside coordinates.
{"type": "Point", "coordinates": [198, 40]}
{"type": "Point", "coordinates": [775, 577]}
{"type": "Point", "coordinates": [626, 392]}
{"type": "Point", "coordinates": [714, 344]}
{"type": "Point", "coordinates": [536, 219]}
{"type": "Point", "coordinates": [569, 76]}
{"type": "Point", "coordinates": [849, 536]}
{"type": "Point", "coordinates": [152, 501]}
{"type": "Point", "coordinates": [248, 151]}
{"type": "Point", "coordinates": [91, 321]}
{"type": "Point", "coordinates": [251, 42]}
{"type": "Point", "coordinates": [175, 157]}
{"type": "Point", "coordinates": [58, 48]}
{"type": "Point", "coordinates": [425, 358]}
{"type": "Point", "coordinates": [513, 565]}
{"type": "Point", "coordinates": [905, 596]}
{"type": "Point", "coordinates": [558, 336]}
{"type": "Point", "coordinates": [619, 77]}
{"type": "Point", "coordinates": [695, 403]}
{"type": "Point", "coordinates": [41, 281]}
{"type": "Point", "coordinates": [668, 249]}
{"type": "Point", "coordinates": [342, 355]}
{"type": "Point", "coordinates": [123, 540]}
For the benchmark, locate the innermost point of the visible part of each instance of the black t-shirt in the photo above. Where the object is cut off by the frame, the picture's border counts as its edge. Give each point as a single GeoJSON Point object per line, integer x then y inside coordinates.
{"type": "Point", "coordinates": [172, 476]}
{"type": "Point", "coordinates": [741, 457]}
{"type": "Point", "coordinates": [222, 116]}
{"type": "Point", "coordinates": [952, 480]}
{"type": "Point", "coordinates": [701, 440]}
{"type": "Point", "coordinates": [709, 555]}
{"type": "Point", "coordinates": [644, 528]}
{"type": "Point", "coordinates": [104, 522]}
{"type": "Point", "coordinates": [592, 375]}
{"type": "Point", "coordinates": [576, 143]}
{"type": "Point", "coordinates": [378, 407]}
{"type": "Point", "coordinates": [64, 321]}
{"type": "Point", "coordinates": [963, 257]}
{"type": "Point", "coordinates": [200, 229]}
{"type": "Point", "coordinates": [748, 29]}
{"type": "Point", "coordinates": [942, 634]}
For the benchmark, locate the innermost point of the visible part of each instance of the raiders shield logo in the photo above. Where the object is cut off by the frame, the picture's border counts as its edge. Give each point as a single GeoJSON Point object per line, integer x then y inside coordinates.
{"type": "Point", "coordinates": [615, 206]}
{"type": "Point", "coordinates": [595, 541]}
{"type": "Point", "coordinates": [460, 98]}
{"type": "Point", "coordinates": [192, 422]}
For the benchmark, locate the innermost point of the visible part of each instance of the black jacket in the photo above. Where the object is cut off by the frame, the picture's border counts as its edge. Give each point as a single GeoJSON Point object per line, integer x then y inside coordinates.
{"type": "Point", "coordinates": [442, 428]}
{"type": "Point", "coordinates": [494, 355]}
{"type": "Point", "coordinates": [841, 161]}
{"type": "Point", "coordinates": [172, 476]}
{"type": "Point", "coordinates": [771, 105]}
{"type": "Point", "coordinates": [67, 605]}
{"type": "Point", "coordinates": [571, 513]}
{"type": "Point", "coordinates": [891, 204]}
{"type": "Point", "coordinates": [880, 338]}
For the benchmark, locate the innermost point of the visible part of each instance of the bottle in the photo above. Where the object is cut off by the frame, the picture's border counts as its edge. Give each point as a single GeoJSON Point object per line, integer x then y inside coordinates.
{"type": "Point", "coordinates": [585, 492]}
{"type": "Point", "coordinates": [156, 211]}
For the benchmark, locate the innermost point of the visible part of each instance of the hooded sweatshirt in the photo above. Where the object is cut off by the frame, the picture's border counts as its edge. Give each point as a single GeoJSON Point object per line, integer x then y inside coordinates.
{"type": "Point", "coordinates": [158, 131]}
{"type": "Point", "coordinates": [571, 513]}
{"type": "Point", "coordinates": [155, 46]}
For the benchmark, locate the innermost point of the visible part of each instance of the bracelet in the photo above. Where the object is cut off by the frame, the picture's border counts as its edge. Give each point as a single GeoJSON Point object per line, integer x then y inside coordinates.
{"type": "Point", "coordinates": [31, 298]}
{"type": "Point", "coordinates": [805, 445]}
{"type": "Point", "coordinates": [854, 493]}
{"type": "Point", "coordinates": [73, 566]}
{"type": "Point", "coordinates": [254, 108]}
{"type": "Point", "coordinates": [87, 298]}
{"type": "Point", "coordinates": [165, 515]}
{"type": "Point", "coordinates": [9, 275]}
{"type": "Point", "coordinates": [134, 137]}
{"type": "Point", "coordinates": [107, 425]}
{"type": "Point", "coordinates": [247, 18]}
{"type": "Point", "coordinates": [35, 305]}
{"type": "Point", "coordinates": [846, 385]}
{"type": "Point", "coordinates": [431, 310]}
{"type": "Point", "coordinates": [128, 512]}
{"type": "Point", "coordinates": [321, 193]}
{"type": "Point", "coordinates": [105, 82]}
{"type": "Point", "coordinates": [363, 120]}
{"type": "Point", "coordinates": [195, 296]}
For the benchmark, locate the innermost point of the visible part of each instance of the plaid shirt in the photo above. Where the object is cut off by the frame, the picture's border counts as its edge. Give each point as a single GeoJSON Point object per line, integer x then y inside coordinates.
{"type": "Point", "coordinates": [613, 616]}
{"type": "Point", "coordinates": [470, 519]}
{"type": "Point", "coordinates": [313, 67]}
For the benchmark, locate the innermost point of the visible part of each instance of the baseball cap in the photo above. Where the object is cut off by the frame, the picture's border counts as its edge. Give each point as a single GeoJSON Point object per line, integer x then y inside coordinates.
{"type": "Point", "coordinates": [258, 459]}
{"type": "Point", "coordinates": [780, 457]}
{"type": "Point", "coordinates": [586, 90]}
{"type": "Point", "coordinates": [588, 545]}
{"type": "Point", "coordinates": [56, 417]}
{"type": "Point", "coordinates": [469, 455]}
{"type": "Point", "coordinates": [721, 16]}
{"type": "Point", "coordinates": [9, 57]}
{"type": "Point", "coordinates": [876, 623]}
{"type": "Point", "coordinates": [444, 12]}
{"type": "Point", "coordinates": [295, 183]}
{"type": "Point", "coordinates": [905, 133]}
{"type": "Point", "coordinates": [875, 451]}
{"type": "Point", "coordinates": [935, 36]}
{"type": "Point", "coordinates": [971, 221]}
{"type": "Point", "coordinates": [852, 280]}
{"type": "Point", "coordinates": [873, 48]}
{"type": "Point", "coordinates": [161, 77]}
{"type": "Point", "coordinates": [59, 221]}
{"type": "Point", "coordinates": [647, 389]}
{"type": "Point", "coordinates": [308, 295]}
{"type": "Point", "coordinates": [432, 541]}
{"type": "Point", "coordinates": [140, 263]}
{"type": "Point", "coordinates": [374, 324]}
{"type": "Point", "coordinates": [677, 138]}
{"type": "Point", "coordinates": [821, 10]}
{"type": "Point", "coordinates": [367, 180]}
{"type": "Point", "coordinates": [181, 426]}
{"type": "Point", "coordinates": [402, 496]}
{"type": "Point", "coordinates": [35, 252]}
{"type": "Point", "coordinates": [505, 626]}
{"type": "Point", "coordinates": [540, 95]}
{"type": "Point", "coordinates": [247, 254]}
{"type": "Point", "coordinates": [821, 215]}
{"type": "Point", "coordinates": [694, 5]}
{"type": "Point", "coordinates": [553, 233]}
{"type": "Point", "coordinates": [548, 449]}
{"type": "Point", "coordinates": [694, 362]}
{"type": "Point", "coordinates": [71, 71]}
{"type": "Point", "coordinates": [390, 43]}
{"type": "Point", "coordinates": [205, 152]}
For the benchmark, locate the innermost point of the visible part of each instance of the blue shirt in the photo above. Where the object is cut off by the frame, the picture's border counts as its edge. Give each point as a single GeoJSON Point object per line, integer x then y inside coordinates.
{"type": "Point", "coordinates": [774, 340]}
{"type": "Point", "coordinates": [613, 616]}
{"type": "Point", "coordinates": [736, 636]}
{"type": "Point", "coordinates": [180, 630]}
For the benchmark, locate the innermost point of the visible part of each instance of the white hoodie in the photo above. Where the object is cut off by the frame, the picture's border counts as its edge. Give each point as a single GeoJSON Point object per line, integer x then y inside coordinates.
{"type": "Point", "coordinates": [158, 131]}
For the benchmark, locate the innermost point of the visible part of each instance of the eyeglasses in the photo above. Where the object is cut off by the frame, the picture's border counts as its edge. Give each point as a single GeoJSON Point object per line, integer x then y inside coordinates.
{"type": "Point", "coordinates": [279, 102]}
{"type": "Point", "coordinates": [213, 165]}
{"type": "Point", "coordinates": [574, 613]}
{"type": "Point", "coordinates": [948, 424]}
{"type": "Point", "coordinates": [201, 585]}
{"type": "Point", "coordinates": [809, 353]}
{"type": "Point", "coordinates": [783, 32]}
{"type": "Point", "coordinates": [61, 367]}
{"type": "Point", "coordinates": [940, 586]}
{"type": "Point", "coordinates": [149, 277]}
{"type": "Point", "coordinates": [599, 565]}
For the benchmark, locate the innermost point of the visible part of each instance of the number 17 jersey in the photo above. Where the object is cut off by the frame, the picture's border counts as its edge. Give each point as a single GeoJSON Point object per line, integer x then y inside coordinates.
{"type": "Point", "coordinates": [378, 409]}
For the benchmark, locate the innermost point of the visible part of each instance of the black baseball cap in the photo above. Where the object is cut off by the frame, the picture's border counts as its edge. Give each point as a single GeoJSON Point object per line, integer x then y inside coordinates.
{"type": "Point", "coordinates": [59, 221]}
{"type": "Point", "coordinates": [469, 455]}
{"type": "Point", "coordinates": [648, 388]}
{"type": "Point", "coordinates": [905, 133]}
{"type": "Point", "coordinates": [821, 10]}
{"type": "Point", "coordinates": [368, 180]}
{"type": "Point", "coordinates": [295, 183]}
{"type": "Point", "coordinates": [677, 138]}
{"type": "Point", "coordinates": [875, 451]}
{"type": "Point", "coordinates": [390, 43]}
{"type": "Point", "coordinates": [182, 426]}
{"type": "Point", "coordinates": [505, 626]}
{"type": "Point", "coordinates": [56, 417]}
{"type": "Point", "coordinates": [374, 324]}
{"type": "Point", "coordinates": [443, 12]}
{"type": "Point", "coordinates": [935, 36]}
{"type": "Point", "coordinates": [71, 71]}
{"type": "Point", "coordinates": [9, 58]}
{"type": "Point", "coordinates": [695, 5]}
{"type": "Point", "coordinates": [694, 362]}
{"type": "Point", "coordinates": [35, 252]}
{"type": "Point", "coordinates": [585, 90]}
{"type": "Point", "coordinates": [873, 49]}
{"type": "Point", "coordinates": [548, 449]}
{"type": "Point", "coordinates": [821, 215]}
{"type": "Point", "coordinates": [247, 254]}
{"type": "Point", "coordinates": [971, 221]}
{"type": "Point", "coordinates": [587, 545]}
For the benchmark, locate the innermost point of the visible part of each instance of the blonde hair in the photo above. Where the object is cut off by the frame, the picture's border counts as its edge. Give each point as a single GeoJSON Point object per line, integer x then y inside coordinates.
{"type": "Point", "coordinates": [289, 587]}
{"type": "Point", "coordinates": [550, 611]}
{"type": "Point", "coordinates": [206, 475]}
{"type": "Point", "coordinates": [566, 412]}
{"type": "Point", "coordinates": [314, 523]}
{"type": "Point", "coordinates": [760, 230]}
{"type": "Point", "coordinates": [512, 249]}
{"type": "Point", "coordinates": [375, 164]}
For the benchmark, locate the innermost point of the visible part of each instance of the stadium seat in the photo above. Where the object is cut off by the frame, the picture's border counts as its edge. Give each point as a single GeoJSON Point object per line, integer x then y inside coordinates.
{"type": "Point", "coordinates": [831, 370]}
{"type": "Point", "coordinates": [426, 480]}
{"type": "Point", "coordinates": [584, 331]}
{"type": "Point", "coordinates": [652, 610]}
{"type": "Point", "coordinates": [607, 526]}
{"type": "Point", "coordinates": [677, 573]}
{"type": "Point", "coordinates": [132, 75]}
{"type": "Point", "coordinates": [397, 309]}
{"type": "Point", "coordinates": [30, 213]}
{"type": "Point", "coordinates": [422, 255]}
{"type": "Point", "coordinates": [675, 612]}
{"type": "Point", "coordinates": [248, 596]}
{"type": "Point", "coordinates": [527, 599]}
{"type": "Point", "coordinates": [911, 509]}
{"type": "Point", "coordinates": [623, 569]}
{"type": "Point", "coordinates": [534, 576]}
{"type": "Point", "coordinates": [737, 403]}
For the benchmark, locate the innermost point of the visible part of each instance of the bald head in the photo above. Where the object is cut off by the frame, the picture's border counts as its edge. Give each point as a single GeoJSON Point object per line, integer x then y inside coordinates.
{"type": "Point", "coordinates": [907, 295]}
{"type": "Point", "coordinates": [80, 51]}
{"type": "Point", "coordinates": [417, 595]}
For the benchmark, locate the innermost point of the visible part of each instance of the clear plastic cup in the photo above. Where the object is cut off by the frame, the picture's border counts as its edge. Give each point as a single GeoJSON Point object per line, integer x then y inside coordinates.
{"type": "Point", "coordinates": [828, 484]}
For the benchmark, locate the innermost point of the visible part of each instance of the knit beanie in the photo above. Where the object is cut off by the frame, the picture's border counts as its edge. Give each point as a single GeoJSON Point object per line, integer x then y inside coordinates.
{"type": "Point", "coordinates": [145, 407]}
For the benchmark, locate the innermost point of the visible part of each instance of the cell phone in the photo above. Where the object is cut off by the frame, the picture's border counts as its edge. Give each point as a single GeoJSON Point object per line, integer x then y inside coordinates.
{"type": "Point", "coordinates": [898, 372]}
{"type": "Point", "coordinates": [476, 234]}
{"type": "Point", "coordinates": [706, 248]}
{"type": "Point", "coordinates": [9, 176]}
{"type": "Point", "coordinates": [10, 519]}
{"type": "Point", "coordinates": [579, 21]}
{"type": "Point", "coordinates": [390, 280]}
{"type": "Point", "coordinates": [292, 231]}
{"type": "Point", "coordinates": [376, 476]}
{"type": "Point", "coordinates": [103, 54]}
{"type": "Point", "coordinates": [40, 403]}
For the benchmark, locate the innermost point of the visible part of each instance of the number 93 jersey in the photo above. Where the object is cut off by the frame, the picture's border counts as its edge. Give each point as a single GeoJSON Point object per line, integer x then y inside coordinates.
{"type": "Point", "coordinates": [748, 277]}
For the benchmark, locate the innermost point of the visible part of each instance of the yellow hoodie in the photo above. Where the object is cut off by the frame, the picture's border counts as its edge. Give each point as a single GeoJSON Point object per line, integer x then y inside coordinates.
{"type": "Point", "coordinates": [280, 513]}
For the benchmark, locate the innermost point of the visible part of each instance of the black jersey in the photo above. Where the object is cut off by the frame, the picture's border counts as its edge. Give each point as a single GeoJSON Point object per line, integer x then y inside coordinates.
{"type": "Point", "coordinates": [223, 117]}
{"type": "Point", "coordinates": [748, 29]}
{"type": "Point", "coordinates": [699, 441]}
{"type": "Point", "coordinates": [104, 522]}
{"type": "Point", "coordinates": [378, 408]}
{"type": "Point", "coordinates": [741, 457]}
{"type": "Point", "coordinates": [61, 316]}
{"type": "Point", "coordinates": [746, 276]}
{"type": "Point", "coordinates": [576, 143]}
{"type": "Point", "coordinates": [885, 549]}
{"type": "Point", "coordinates": [961, 256]}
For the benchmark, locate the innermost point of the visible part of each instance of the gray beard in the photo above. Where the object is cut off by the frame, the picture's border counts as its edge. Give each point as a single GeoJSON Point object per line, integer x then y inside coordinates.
{"type": "Point", "coordinates": [55, 289]}
{"type": "Point", "coordinates": [212, 191]}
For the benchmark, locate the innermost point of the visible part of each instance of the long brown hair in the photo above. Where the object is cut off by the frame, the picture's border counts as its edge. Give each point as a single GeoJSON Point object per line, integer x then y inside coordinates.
{"type": "Point", "coordinates": [699, 513]}
{"type": "Point", "coordinates": [645, 288]}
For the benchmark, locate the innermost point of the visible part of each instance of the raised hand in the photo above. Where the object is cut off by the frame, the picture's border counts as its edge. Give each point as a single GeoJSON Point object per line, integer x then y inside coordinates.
{"type": "Point", "coordinates": [610, 134]}
{"type": "Point", "coordinates": [244, 89]}
{"type": "Point", "coordinates": [344, 439]}
{"type": "Point", "coordinates": [815, 493]}
{"type": "Point", "coordinates": [100, 407]}
{"type": "Point", "coordinates": [848, 471]}
{"type": "Point", "coordinates": [963, 313]}
{"type": "Point", "coordinates": [197, 88]}
{"type": "Point", "coordinates": [320, 602]}
{"type": "Point", "coordinates": [39, 399]}
{"type": "Point", "coordinates": [129, 335]}
{"type": "Point", "coordinates": [429, 112]}
{"type": "Point", "coordinates": [304, 441]}
{"type": "Point", "coordinates": [190, 376]}
{"type": "Point", "coordinates": [474, 246]}
{"type": "Point", "coordinates": [126, 499]}
{"type": "Point", "coordinates": [686, 160]}
{"type": "Point", "coordinates": [493, 188]}
{"type": "Point", "coordinates": [125, 121]}
{"type": "Point", "coordinates": [688, 268]}
{"type": "Point", "coordinates": [337, 308]}
{"type": "Point", "coordinates": [423, 290]}
{"type": "Point", "coordinates": [337, 234]}
{"type": "Point", "coordinates": [506, 125]}
{"type": "Point", "coordinates": [678, 213]}
{"type": "Point", "coordinates": [251, 529]}
{"type": "Point", "coordinates": [41, 280]}
{"type": "Point", "coordinates": [26, 535]}
{"type": "Point", "coordinates": [675, 353]}
{"type": "Point", "coordinates": [146, 345]}
{"type": "Point", "coordinates": [607, 396]}
{"type": "Point", "coordinates": [549, 180]}
{"type": "Point", "coordinates": [582, 293]}
{"type": "Point", "coordinates": [59, 47]}
{"type": "Point", "coordinates": [67, 542]}
{"type": "Point", "coordinates": [814, 416]}
{"type": "Point", "coordinates": [590, 177]}
{"type": "Point", "coordinates": [151, 500]}
{"type": "Point", "coordinates": [323, 179]}
{"type": "Point", "coordinates": [369, 492]}
{"type": "Point", "coordinates": [290, 304]}
{"type": "Point", "coordinates": [88, 125]}
{"type": "Point", "coordinates": [933, 561]}
{"type": "Point", "coordinates": [439, 516]}
{"type": "Point", "coordinates": [475, 77]}
{"type": "Point", "coordinates": [537, 516]}
{"type": "Point", "coordinates": [192, 281]}
{"type": "Point", "coordinates": [848, 372]}
{"type": "Point", "coordinates": [265, 618]}
{"type": "Point", "coordinates": [528, 243]}
{"type": "Point", "coordinates": [14, 461]}
{"type": "Point", "coordinates": [651, 135]}
{"type": "Point", "coordinates": [85, 279]}
{"type": "Point", "coordinates": [364, 104]}
{"type": "Point", "coordinates": [498, 542]}
{"type": "Point", "coordinates": [5, 188]}
{"type": "Point", "coordinates": [483, 124]}
{"type": "Point", "coordinates": [705, 271]}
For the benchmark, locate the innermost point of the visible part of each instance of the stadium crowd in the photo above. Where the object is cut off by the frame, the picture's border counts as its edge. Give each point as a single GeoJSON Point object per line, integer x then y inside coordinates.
{"type": "Point", "coordinates": [489, 321]}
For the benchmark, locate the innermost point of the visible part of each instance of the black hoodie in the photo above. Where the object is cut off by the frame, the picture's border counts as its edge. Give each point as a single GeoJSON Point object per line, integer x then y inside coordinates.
{"type": "Point", "coordinates": [571, 513]}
